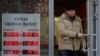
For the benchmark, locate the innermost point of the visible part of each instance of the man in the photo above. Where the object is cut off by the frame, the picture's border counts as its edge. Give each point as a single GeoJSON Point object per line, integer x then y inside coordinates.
{"type": "Point", "coordinates": [71, 32]}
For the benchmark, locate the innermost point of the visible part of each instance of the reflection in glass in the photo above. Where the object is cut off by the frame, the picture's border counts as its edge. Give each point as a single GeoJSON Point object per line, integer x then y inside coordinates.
{"type": "Point", "coordinates": [29, 6]}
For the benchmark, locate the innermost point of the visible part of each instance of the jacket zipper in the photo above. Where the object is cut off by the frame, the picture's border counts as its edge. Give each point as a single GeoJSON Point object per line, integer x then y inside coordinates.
{"type": "Point", "coordinates": [73, 38]}
{"type": "Point", "coordinates": [73, 45]}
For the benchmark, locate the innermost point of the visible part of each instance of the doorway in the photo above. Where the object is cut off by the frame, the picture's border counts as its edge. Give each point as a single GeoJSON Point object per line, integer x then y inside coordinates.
{"type": "Point", "coordinates": [88, 10]}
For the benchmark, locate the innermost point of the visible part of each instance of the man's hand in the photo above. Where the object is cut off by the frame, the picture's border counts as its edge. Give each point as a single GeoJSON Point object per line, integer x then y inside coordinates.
{"type": "Point", "coordinates": [79, 35]}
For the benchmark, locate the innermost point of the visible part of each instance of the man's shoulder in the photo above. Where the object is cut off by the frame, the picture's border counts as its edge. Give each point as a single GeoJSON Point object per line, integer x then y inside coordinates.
{"type": "Point", "coordinates": [78, 18]}
{"type": "Point", "coordinates": [63, 15]}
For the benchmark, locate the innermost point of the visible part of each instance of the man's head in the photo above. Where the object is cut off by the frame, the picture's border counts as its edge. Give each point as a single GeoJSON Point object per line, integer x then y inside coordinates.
{"type": "Point", "coordinates": [71, 10]}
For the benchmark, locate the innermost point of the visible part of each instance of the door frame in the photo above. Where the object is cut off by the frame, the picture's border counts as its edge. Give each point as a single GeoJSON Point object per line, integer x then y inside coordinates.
{"type": "Point", "coordinates": [90, 18]}
{"type": "Point", "coordinates": [51, 27]}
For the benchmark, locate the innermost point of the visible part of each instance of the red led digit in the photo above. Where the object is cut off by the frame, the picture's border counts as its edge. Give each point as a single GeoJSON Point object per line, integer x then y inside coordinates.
{"type": "Point", "coordinates": [13, 51]}
{"type": "Point", "coordinates": [11, 43]}
{"type": "Point", "coordinates": [29, 43]}
{"type": "Point", "coordinates": [27, 34]}
{"type": "Point", "coordinates": [12, 34]}
{"type": "Point", "coordinates": [10, 52]}
{"type": "Point", "coordinates": [15, 34]}
{"type": "Point", "coordinates": [29, 51]}
{"type": "Point", "coordinates": [35, 43]}
{"type": "Point", "coordinates": [36, 34]}
{"type": "Point", "coordinates": [31, 34]}
{"type": "Point", "coordinates": [24, 43]}
{"type": "Point", "coordinates": [7, 43]}
{"type": "Point", "coordinates": [8, 34]}
{"type": "Point", "coordinates": [36, 52]}
{"type": "Point", "coordinates": [16, 51]}
{"type": "Point", "coordinates": [16, 43]}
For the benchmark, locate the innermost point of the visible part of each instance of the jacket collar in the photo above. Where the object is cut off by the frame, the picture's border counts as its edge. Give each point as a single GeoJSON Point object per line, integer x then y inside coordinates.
{"type": "Point", "coordinates": [65, 16]}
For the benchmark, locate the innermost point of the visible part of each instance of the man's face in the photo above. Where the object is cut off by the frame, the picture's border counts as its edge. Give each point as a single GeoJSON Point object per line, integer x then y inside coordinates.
{"type": "Point", "coordinates": [71, 13]}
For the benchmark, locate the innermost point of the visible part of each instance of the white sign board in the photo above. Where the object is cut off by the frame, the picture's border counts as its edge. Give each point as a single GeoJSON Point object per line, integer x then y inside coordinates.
{"type": "Point", "coordinates": [20, 34]}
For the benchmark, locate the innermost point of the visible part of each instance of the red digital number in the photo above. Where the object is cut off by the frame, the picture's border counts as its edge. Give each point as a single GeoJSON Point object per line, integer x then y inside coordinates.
{"type": "Point", "coordinates": [35, 43]}
{"type": "Point", "coordinates": [16, 34]}
{"type": "Point", "coordinates": [30, 34]}
{"type": "Point", "coordinates": [11, 43]}
{"type": "Point", "coordinates": [13, 52]}
{"type": "Point", "coordinates": [10, 52]}
{"type": "Point", "coordinates": [8, 34]}
{"type": "Point", "coordinates": [36, 52]}
{"type": "Point", "coordinates": [36, 34]}
{"type": "Point", "coordinates": [29, 51]}
{"type": "Point", "coordinates": [30, 43]}
{"type": "Point", "coordinates": [12, 34]}
{"type": "Point", "coordinates": [27, 34]}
